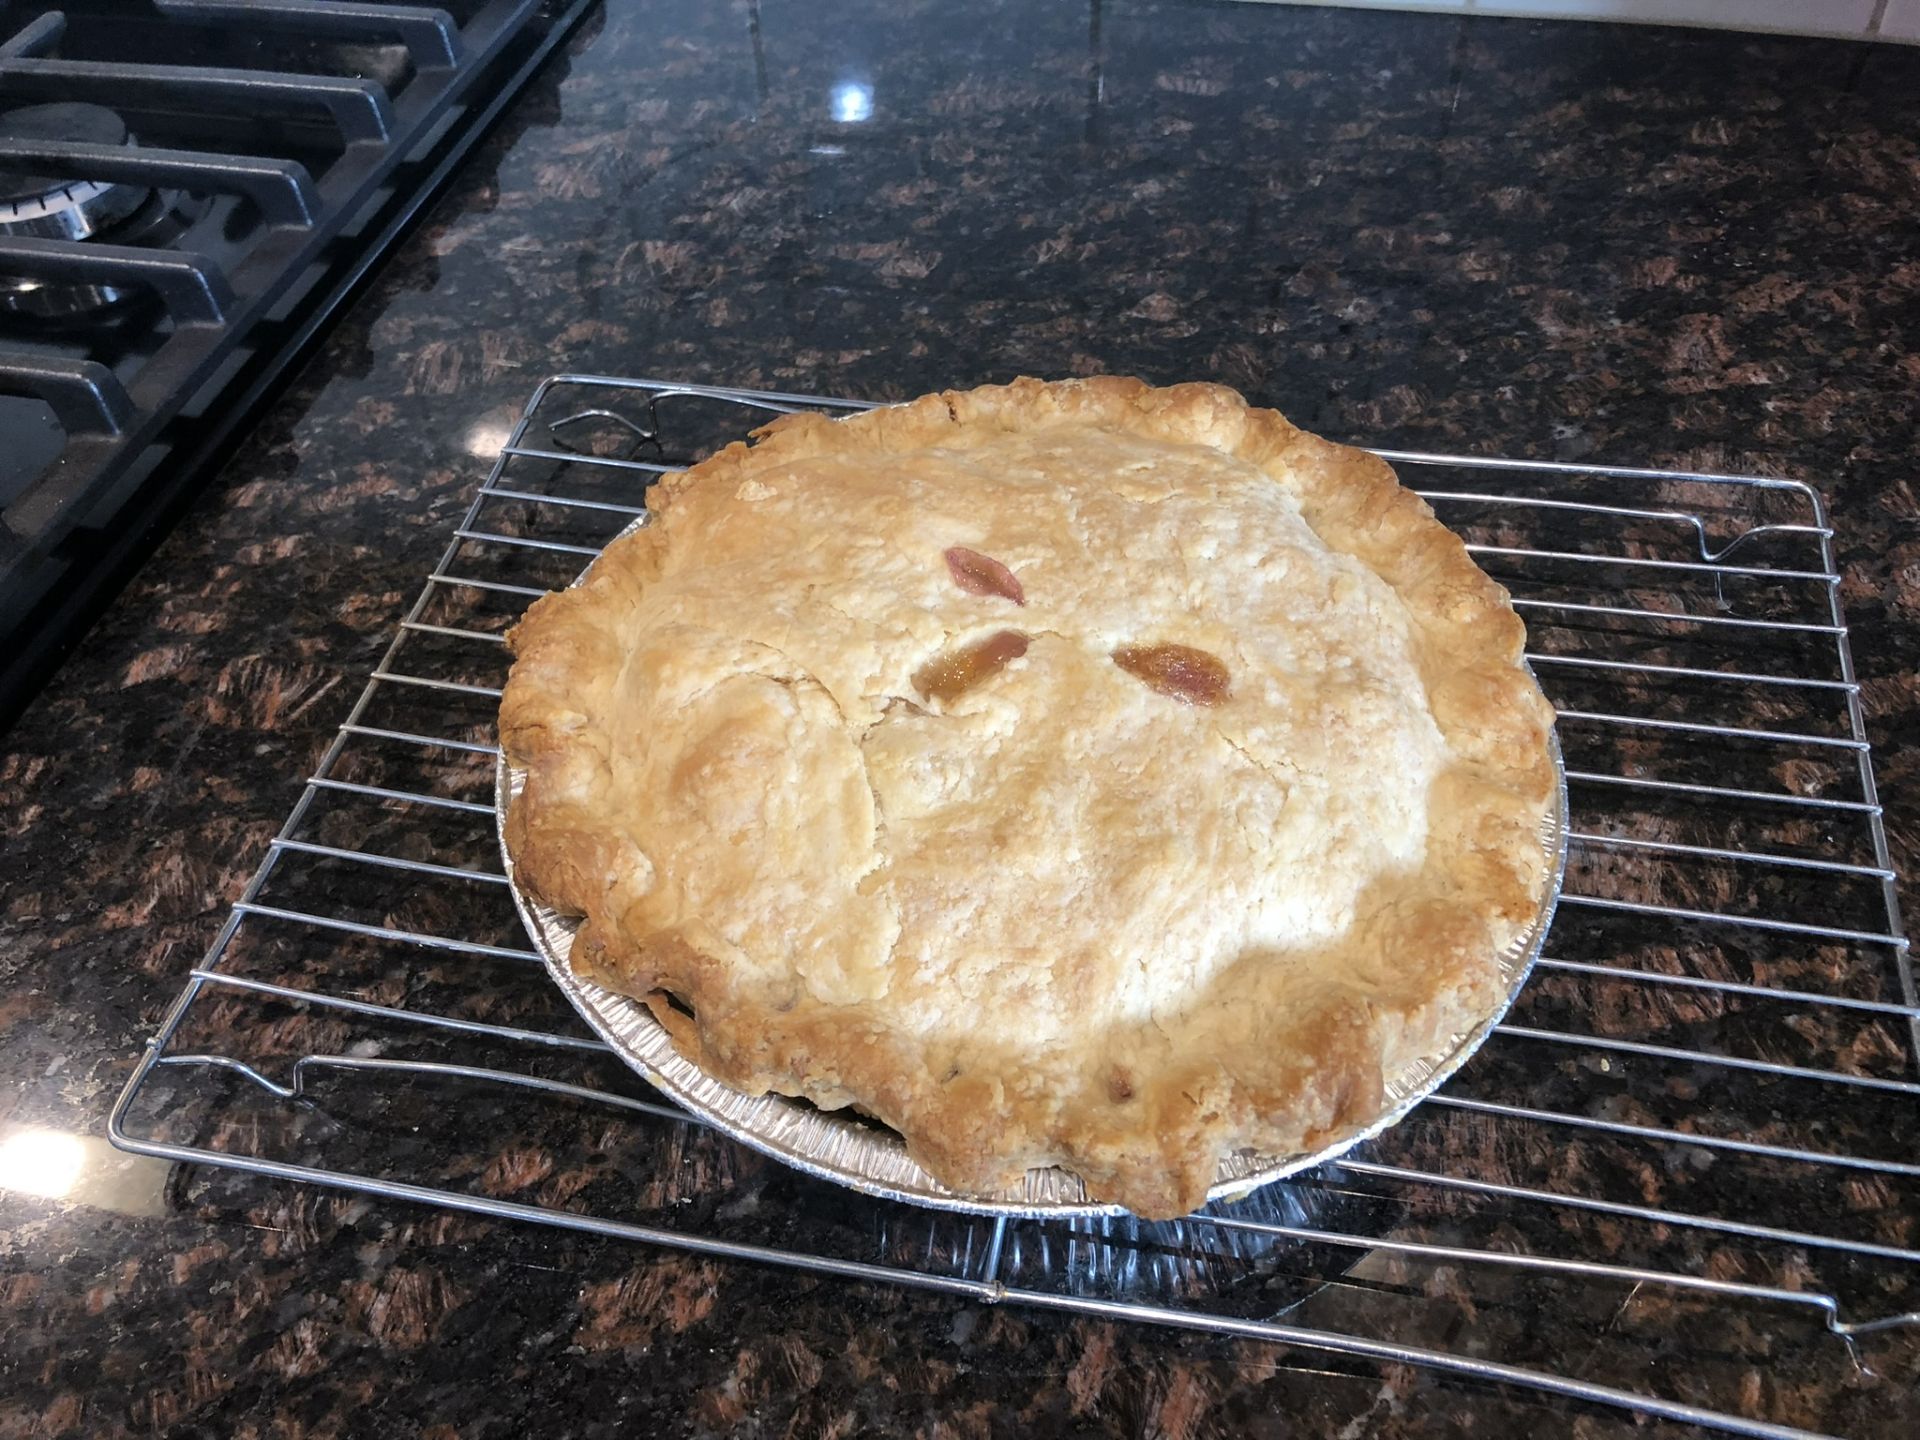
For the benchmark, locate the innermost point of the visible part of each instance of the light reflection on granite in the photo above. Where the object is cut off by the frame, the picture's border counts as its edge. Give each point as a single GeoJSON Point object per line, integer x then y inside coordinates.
{"type": "Point", "coordinates": [81, 1169]}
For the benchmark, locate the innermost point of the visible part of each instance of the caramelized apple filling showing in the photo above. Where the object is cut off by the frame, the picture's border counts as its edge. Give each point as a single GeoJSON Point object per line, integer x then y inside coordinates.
{"type": "Point", "coordinates": [979, 574]}
{"type": "Point", "coordinates": [952, 673]}
{"type": "Point", "coordinates": [1178, 671]}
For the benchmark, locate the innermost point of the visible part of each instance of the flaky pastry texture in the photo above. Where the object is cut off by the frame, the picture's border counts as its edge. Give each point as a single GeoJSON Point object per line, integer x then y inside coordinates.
{"type": "Point", "coordinates": [1074, 773]}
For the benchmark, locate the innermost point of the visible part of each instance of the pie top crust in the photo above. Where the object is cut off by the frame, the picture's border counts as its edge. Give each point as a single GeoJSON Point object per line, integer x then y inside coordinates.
{"type": "Point", "coordinates": [1073, 773]}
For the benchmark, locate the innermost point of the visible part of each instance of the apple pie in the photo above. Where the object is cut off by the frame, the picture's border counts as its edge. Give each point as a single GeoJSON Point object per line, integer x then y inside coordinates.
{"type": "Point", "coordinates": [1077, 773]}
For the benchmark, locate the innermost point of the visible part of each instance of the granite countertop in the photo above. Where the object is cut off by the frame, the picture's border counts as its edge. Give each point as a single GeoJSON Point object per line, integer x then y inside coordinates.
{"type": "Point", "coordinates": [1645, 246]}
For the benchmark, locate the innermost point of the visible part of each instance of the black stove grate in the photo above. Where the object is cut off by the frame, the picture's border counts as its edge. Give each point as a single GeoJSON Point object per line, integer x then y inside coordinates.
{"type": "Point", "coordinates": [153, 292]}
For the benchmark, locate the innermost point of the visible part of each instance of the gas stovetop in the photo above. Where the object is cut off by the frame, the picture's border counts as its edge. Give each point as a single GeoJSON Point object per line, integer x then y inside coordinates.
{"type": "Point", "coordinates": [188, 189]}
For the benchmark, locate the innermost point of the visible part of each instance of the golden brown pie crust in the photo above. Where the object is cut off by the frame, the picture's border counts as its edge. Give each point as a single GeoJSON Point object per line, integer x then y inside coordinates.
{"type": "Point", "coordinates": [1060, 915]}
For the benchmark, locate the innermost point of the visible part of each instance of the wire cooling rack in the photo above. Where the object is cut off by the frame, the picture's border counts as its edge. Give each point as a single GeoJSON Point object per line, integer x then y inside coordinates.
{"type": "Point", "coordinates": [1699, 1121]}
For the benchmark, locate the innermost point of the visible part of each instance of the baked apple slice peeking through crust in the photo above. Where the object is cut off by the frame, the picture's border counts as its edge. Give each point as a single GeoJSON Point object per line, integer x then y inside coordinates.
{"type": "Point", "coordinates": [952, 673]}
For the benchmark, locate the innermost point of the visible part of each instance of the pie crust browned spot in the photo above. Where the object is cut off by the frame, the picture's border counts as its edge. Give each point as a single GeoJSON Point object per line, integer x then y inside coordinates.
{"type": "Point", "coordinates": [1234, 825]}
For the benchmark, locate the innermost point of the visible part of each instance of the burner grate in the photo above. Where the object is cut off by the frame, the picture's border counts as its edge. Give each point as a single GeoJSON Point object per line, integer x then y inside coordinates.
{"type": "Point", "coordinates": [175, 232]}
{"type": "Point", "coordinates": [1701, 1111]}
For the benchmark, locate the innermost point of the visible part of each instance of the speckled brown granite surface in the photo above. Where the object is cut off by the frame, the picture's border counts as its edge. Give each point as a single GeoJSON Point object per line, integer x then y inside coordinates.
{"type": "Point", "coordinates": [1646, 246]}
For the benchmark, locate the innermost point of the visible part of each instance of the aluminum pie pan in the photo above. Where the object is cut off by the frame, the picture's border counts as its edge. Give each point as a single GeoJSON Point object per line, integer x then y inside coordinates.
{"type": "Point", "coordinates": [866, 1156]}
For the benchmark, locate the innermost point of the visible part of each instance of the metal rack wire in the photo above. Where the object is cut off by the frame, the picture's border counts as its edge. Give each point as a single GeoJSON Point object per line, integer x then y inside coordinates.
{"type": "Point", "coordinates": [1706, 1094]}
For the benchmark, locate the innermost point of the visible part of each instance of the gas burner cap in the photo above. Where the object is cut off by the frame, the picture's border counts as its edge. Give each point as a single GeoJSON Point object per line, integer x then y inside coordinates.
{"type": "Point", "coordinates": [56, 206]}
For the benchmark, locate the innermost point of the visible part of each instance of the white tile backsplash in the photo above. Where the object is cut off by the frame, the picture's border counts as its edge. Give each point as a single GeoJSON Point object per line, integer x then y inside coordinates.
{"type": "Point", "coordinates": [1899, 19]}
{"type": "Point", "coordinates": [1457, 6]}
{"type": "Point", "coordinates": [1805, 17]}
